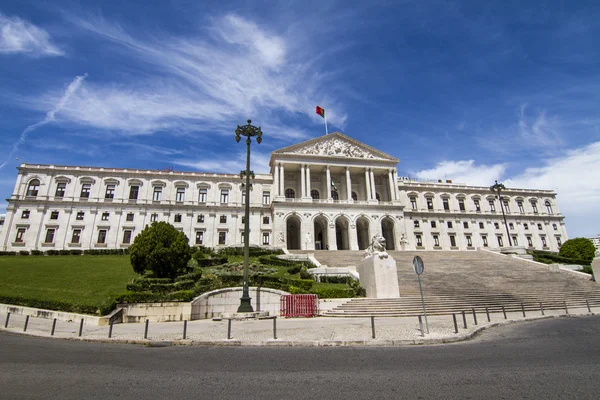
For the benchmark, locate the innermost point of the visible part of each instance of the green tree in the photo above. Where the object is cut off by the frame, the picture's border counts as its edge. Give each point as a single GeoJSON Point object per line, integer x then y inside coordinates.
{"type": "Point", "coordinates": [580, 248]}
{"type": "Point", "coordinates": [161, 249]}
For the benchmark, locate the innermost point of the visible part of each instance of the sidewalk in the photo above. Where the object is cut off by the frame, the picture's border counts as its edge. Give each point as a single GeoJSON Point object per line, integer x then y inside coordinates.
{"type": "Point", "coordinates": [321, 331]}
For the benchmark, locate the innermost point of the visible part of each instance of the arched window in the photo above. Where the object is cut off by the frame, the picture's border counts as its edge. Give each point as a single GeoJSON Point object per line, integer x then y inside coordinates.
{"type": "Point", "coordinates": [549, 207]}
{"type": "Point", "coordinates": [377, 196]}
{"type": "Point", "coordinates": [354, 196]}
{"type": "Point", "coordinates": [33, 188]}
{"type": "Point", "coordinates": [314, 194]}
{"type": "Point", "coordinates": [334, 195]}
{"type": "Point", "coordinates": [290, 194]}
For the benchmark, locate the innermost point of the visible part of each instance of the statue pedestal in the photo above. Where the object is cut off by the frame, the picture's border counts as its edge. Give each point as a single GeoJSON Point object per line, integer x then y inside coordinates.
{"type": "Point", "coordinates": [379, 277]}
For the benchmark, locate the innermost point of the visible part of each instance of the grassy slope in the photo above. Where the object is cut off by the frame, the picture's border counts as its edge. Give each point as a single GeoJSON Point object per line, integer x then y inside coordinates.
{"type": "Point", "coordinates": [72, 279]}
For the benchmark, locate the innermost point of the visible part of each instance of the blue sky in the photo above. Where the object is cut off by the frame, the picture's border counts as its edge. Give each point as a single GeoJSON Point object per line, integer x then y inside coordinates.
{"type": "Point", "coordinates": [469, 91]}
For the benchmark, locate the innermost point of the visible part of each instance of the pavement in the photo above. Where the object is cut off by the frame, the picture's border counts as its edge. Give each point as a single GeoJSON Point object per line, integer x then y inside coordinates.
{"type": "Point", "coordinates": [307, 332]}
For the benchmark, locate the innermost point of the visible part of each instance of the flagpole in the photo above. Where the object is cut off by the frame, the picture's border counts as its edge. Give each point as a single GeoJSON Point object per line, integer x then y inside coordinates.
{"type": "Point", "coordinates": [326, 132]}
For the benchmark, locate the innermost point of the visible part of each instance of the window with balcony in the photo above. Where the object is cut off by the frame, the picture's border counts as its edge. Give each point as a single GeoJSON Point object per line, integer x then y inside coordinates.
{"type": "Point", "coordinates": [413, 202]}
{"type": "Point", "coordinates": [178, 218]}
{"type": "Point", "coordinates": [76, 236]}
{"type": "Point", "coordinates": [20, 235]}
{"type": "Point", "coordinates": [199, 237]}
{"type": "Point", "coordinates": [314, 194]}
{"type": "Point", "coordinates": [157, 193]}
{"type": "Point", "coordinates": [202, 194]}
{"type": "Point", "coordinates": [33, 188]}
{"type": "Point", "coordinates": [224, 196]}
{"type": "Point", "coordinates": [110, 192]}
{"type": "Point", "coordinates": [134, 192]}
{"type": "Point", "coordinates": [61, 188]}
{"type": "Point", "coordinates": [86, 188]}
{"type": "Point", "coordinates": [54, 215]}
{"type": "Point", "coordinates": [101, 236]}
{"type": "Point", "coordinates": [200, 218]}
{"type": "Point", "coordinates": [127, 236]}
{"type": "Point", "coordinates": [180, 195]}
{"type": "Point", "coordinates": [129, 217]}
{"type": "Point", "coordinates": [265, 238]}
{"type": "Point", "coordinates": [49, 235]}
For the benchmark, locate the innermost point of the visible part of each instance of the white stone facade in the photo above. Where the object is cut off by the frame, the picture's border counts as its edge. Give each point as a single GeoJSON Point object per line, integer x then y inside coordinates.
{"type": "Point", "coordinates": [331, 192]}
{"type": "Point", "coordinates": [595, 241]}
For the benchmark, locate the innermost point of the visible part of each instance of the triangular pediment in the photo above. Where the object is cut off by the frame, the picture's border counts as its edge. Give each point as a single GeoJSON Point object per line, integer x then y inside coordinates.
{"type": "Point", "coordinates": [335, 145]}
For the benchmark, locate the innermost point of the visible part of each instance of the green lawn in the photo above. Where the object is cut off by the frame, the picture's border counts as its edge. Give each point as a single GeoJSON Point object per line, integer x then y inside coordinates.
{"type": "Point", "coordinates": [86, 280]}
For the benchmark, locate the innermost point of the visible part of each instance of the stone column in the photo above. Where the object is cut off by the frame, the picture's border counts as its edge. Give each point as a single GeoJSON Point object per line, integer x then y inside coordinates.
{"type": "Point", "coordinates": [276, 180]}
{"type": "Point", "coordinates": [302, 182]}
{"type": "Point", "coordinates": [281, 180]}
{"type": "Point", "coordinates": [308, 187]}
{"type": "Point", "coordinates": [395, 180]}
{"type": "Point", "coordinates": [367, 184]}
{"type": "Point", "coordinates": [373, 192]}
{"type": "Point", "coordinates": [391, 181]}
{"type": "Point", "coordinates": [328, 184]}
{"type": "Point", "coordinates": [348, 184]}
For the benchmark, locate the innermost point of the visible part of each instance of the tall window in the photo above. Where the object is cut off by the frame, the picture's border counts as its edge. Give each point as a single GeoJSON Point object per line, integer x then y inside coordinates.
{"type": "Point", "coordinates": [416, 223]}
{"type": "Point", "coordinates": [49, 235]}
{"type": "Point", "coordinates": [314, 194]}
{"type": "Point", "coordinates": [134, 192]}
{"type": "Point", "coordinates": [529, 241]}
{"type": "Point", "coordinates": [157, 193]}
{"type": "Point", "coordinates": [76, 237]}
{"type": "Point", "coordinates": [86, 188]}
{"type": "Point", "coordinates": [534, 206]}
{"type": "Point", "coordinates": [202, 193]}
{"type": "Point", "coordinates": [520, 205]}
{"type": "Point", "coordinates": [267, 197]}
{"type": "Point", "coordinates": [496, 225]}
{"type": "Point", "coordinates": [377, 197]}
{"type": "Point", "coordinates": [500, 242]}
{"type": "Point", "coordinates": [102, 236]}
{"type": "Point", "coordinates": [492, 206]}
{"type": "Point", "coordinates": [222, 237]}
{"type": "Point", "coordinates": [199, 237]}
{"type": "Point", "coordinates": [539, 227]}
{"type": "Point", "coordinates": [413, 202]}
{"type": "Point", "coordinates": [469, 241]}
{"type": "Point", "coordinates": [433, 224]}
{"type": "Point", "coordinates": [450, 224]}
{"type": "Point", "coordinates": [419, 240]}
{"type": "Point", "coordinates": [224, 196]}
{"type": "Point", "coordinates": [544, 244]}
{"type": "Point", "coordinates": [129, 217]}
{"type": "Point", "coordinates": [506, 207]}
{"type": "Point", "coordinates": [452, 241]}
{"type": "Point", "coordinates": [526, 226]}
{"type": "Point", "coordinates": [549, 207]}
{"type": "Point", "coordinates": [555, 227]}
{"type": "Point", "coordinates": [61, 188]}
{"type": "Point", "coordinates": [484, 240]}
{"type": "Point", "coordinates": [290, 194]}
{"type": "Point", "coordinates": [461, 204]}
{"type": "Point", "coordinates": [33, 188]}
{"type": "Point", "coordinates": [477, 205]}
{"type": "Point", "coordinates": [436, 240]}
{"type": "Point", "coordinates": [514, 241]}
{"type": "Point", "coordinates": [430, 203]}
{"type": "Point", "coordinates": [446, 203]}
{"type": "Point", "coordinates": [334, 195]}
{"type": "Point", "coordinates": [20, 234]}
{"type": "Point", "coordinates": [511, 225]}
{"type": "Point", "coordinates": [110, 192]}
{"type": "Point", "coordinates": [153, 217]}
{"type": "Point", "coordinates": [481, 226]}
{"type": "Point", "coordinates": [466, 225]}
{"type": "Point", "coordinates": [354, 196]}
{"type": "Point", "coordinates": [265, 240]}
{"type": "Point", "coordinates": [558, 241]}
{"type": "Point", "coordinates": [127, 236]}
{"type": "Point", "coordinates": [180, 196]}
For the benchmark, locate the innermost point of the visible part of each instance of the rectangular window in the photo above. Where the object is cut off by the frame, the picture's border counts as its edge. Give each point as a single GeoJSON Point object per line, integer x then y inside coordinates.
{"type": "Point", "coordinates": [80, 215]}
{"type": "Point", "coordinates": [110, 192]}
{"type": "Point", "coordinates": [558, 241]}
{"type": "Point", "coordinates": [534, 206]}
{"type": "Point", "coordinates": [416, 223]}
{"type": "Point", "coordinates": [506, 207]}
{"type": "Point", "coordinates": [492, 206]}
{"type": "Point", "coordinates": [127, 236]}
{"type": "Point", "coordinates": [511, 225]}
{"type": "Point", "coordinates": [102, 236]}
{"type": "Point", "coordinates": [266, 220]}
{"type": "Point", "coordinates": [469, 241]}
{"type": "Point", "coordinates": [515, 242]}
{"type": "Point", "coordinates": [224, 196]}
{"type": "Point", "coordinates": [429, 203]}
{"type": "Point", "coordinates": [222, 237]}
{"type": "Point", "coordinates": [526, 226]}
{"type": "Point", "coordinates": [529, 241]}
{"type": "Point", "coordinates": [446, 204]}
{"type": "Point", "coordinates": [157, 193]}
{"type": "Point", "coordinates": [539, 227]}
{"type": "Point", "coordinates": [449, 223]}
{"type": "Point", "coordinates": [433, 224]}
{"type": "Point", "coordinates": [265, 241]}
{"type": "Point", "coordinates": [25, 214]}
{"type": "Point", "coordinates": [520, 205]}
{"type": "Point", "coordinates": [54, 215]}
{"type": "Point", "coordinates": [129, 217]}
{"type": "Point", "coordinates": [461, 204]}
{"type": "Point", "coordinates": [177, 217]}
{"type": "Point", "coordinates": [466, 225]}
{"type": "Point", "coordinates": [554, 227]}
{"type": "Point", "coordinates": [484, 240]}
{"type": "Point", "coordinates": [452, 241]}
{"type": "Point", "coordinates": [267, 198]}
{"type": "Point", "coordinates": [180, 196]}
{"type": "Point", "coordinates": [33, 188]}
{"type": "Point", "coordinates": [477, 205]}
{"type": "Point", "coordinates": [153, 217]}
{"type": "Point", "coordinates": [105, 216]}
{"type": "Point", "coordinates": [200, 218]}
{"type": "Point", "coordinates": [481, 226]}
{"type": "Point", "coordinates": [544, 244]}
{"type": "Point", "coordinates": [20, 234]}
{"type": "Point", "coordinates": [199, 237]}
{"type": "Point", "coordinates": [496, 225]}
{"type": "Point", "coordinates": [134, 191]}
{"type": "Point", "coordinates": [49, 236]}
{"type": "Point", "coordinates": [202, 195]}
{"type": "Point", "coordinates": [85, 190]}
{"type": "Point", "coordinates": [413, 203]}
{"type": "Point", "coordinates": [60, 189]}
{"type": "Point", "coordinates": [419, 240]}
{"type": "Point", "coordinates": [549, 208]}
{"type": "Point", "coordinates": [500, 242]}
{"type": "Point", "coordinates": [223, 219]}
{"type": "Point", "coordinates": [76, 237]}
{"type": "Point", "coordinates": [436, 240]}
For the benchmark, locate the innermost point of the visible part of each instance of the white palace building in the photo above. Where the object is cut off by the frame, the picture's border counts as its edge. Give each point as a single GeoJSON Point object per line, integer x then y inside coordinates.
{"type": "Point", "coordinates": [328, 193]}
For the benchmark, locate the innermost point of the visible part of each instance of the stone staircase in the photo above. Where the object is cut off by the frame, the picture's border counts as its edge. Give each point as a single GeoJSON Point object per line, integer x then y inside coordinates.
{"type": "Point", "coordinates": [460, 281]}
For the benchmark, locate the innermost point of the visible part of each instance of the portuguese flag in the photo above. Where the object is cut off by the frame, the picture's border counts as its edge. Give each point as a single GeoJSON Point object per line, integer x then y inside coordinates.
{"type": "Point", "coordinates": [321, 111]}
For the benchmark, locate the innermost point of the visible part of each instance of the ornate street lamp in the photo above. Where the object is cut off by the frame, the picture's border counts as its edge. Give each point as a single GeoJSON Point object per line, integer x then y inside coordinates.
{"type": "Point", "coordinates": [497, 188]}
{"type": "Point", "coordinates": [248, 131]}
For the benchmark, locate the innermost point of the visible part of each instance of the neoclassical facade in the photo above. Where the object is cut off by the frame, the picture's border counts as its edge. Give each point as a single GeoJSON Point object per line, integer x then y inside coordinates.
{"type": "Point", "coordinates": [327, 193]}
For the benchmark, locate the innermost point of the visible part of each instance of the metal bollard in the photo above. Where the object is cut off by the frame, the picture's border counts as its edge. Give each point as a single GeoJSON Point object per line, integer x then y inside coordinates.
{"type": "Point", "coordinates": [588, 306]}
{"type": "Point", "coordinates": [373, 326]}
{"type": "Point", "coordinates": [146, 329]}
{"type": "Point", "coordinates": [474, 316]}
{"type": "Point", "coordinates": [566, 309]}
{"type": "Point", "coordinates": [275, 328]}
{"type": "Point", "coordinates": [542, 308]}
{"type": "Point", "coordinates": [80, 327]}
{"type": "Point", "coordinates": [421, 326]}
{"type": "Point", "coordinates": [504, 312]}
{"type": "Point", "coordinates": [464, 319]}
{"type": "Point", "coordinates": [26, 323]}
{"type": "Point", "coordinates": [184, 328]}
{"type": "Point", "coordinates": [110, 328]}
{"type": "Point", "coordinates": [455, 325]}
{"type": "Point", "coordinates": [53, 327]}
{"type": "Point", "coordinates": [229, 328]}
{"type": "Point", "coordinates": [523, 309]}
{"type": "Point", "coordinates": [487, 312]}
{"type": "Point", "coordinates": [7, 318]}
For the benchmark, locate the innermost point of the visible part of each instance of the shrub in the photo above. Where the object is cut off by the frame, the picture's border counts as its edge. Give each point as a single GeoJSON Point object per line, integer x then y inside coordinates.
{"type": "Point", "coordinates": [547, 257]}
{"type": "Point", "coordinates": [52, 252]}
{"type": "Point", "coordinates": [295, 269]}
{"type": "Point", "coordinates": [76, 252]}
{"type": "Point", "coordinates": [304, 274]}
{"type": "Point", "coordinates": [194, 276]}
{"type": "Point", "coordinates": [578, 248]}
{"type": "Point", "coordinates": [23, 253]}
{"type": "Point", "coordinates": [37, 253]}
{"type": "Point", "coordinates": [336, 279]}
{"type": "Point", "coordinates": [333, 293]}
{"type": "Point", "coordinates": [8, 253]}
{"type": "Point", "coordinates": [211, 262]}
{"type": "Point", "coordinates": [64, 252]}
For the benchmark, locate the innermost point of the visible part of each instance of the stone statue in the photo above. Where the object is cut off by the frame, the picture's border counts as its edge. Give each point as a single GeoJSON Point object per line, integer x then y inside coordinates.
{"type": "Point", "coordinates": [377, 247]}
{"type": "Point", "coordinates": [403, 240]}
{"type": "Point", "coordinates": [280, 238]}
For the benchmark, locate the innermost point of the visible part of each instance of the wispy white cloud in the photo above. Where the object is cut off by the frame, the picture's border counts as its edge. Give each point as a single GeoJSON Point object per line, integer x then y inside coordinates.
{"type": "Point", "coordinates": [540, 130]}
{"type": "Point", "coordinates": [465, 171]}
{"type": "Point", "coordinates": [259, 163]}
{"type": "Point", "coordinates": [20, 36]}
{"type": "Point", "coordinates": [50, 115]}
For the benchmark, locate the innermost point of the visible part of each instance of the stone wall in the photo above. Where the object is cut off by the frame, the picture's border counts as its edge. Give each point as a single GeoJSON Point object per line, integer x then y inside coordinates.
{"type": "Point", "coordinates": [217, 302]}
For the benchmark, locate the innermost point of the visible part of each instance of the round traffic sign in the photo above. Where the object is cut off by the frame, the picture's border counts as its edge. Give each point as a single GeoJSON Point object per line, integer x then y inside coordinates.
{"type": "Point", "coordinates": [418, 265]}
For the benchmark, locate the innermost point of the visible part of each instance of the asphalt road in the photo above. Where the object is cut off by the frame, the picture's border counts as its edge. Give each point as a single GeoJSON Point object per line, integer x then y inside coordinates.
{"type": "Point", "coordinates": [549, 359]}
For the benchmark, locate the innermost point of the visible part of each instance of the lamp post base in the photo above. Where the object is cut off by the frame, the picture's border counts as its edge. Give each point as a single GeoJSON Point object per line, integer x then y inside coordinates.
{"type": "Point", "coordinates": [245, 305]}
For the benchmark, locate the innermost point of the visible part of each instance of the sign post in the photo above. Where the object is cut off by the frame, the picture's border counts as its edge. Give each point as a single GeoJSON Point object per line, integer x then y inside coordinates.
{"type": "Point", "coordinates": [419, 267]}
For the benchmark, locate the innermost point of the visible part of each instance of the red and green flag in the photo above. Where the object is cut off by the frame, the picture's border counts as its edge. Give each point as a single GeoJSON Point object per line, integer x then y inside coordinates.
{"type": "Point", "coordinates": [321, 111]}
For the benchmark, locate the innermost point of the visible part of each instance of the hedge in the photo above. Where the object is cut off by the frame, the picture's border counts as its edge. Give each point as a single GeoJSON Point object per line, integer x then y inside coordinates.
{"type": "Point", "coordinates": [333, 293]}
{"type": "Point", "coordinates": [336, 279]}
{"type": "Point", "coordinates": [211, 262]}
{"type": "Point", "coordinates": [92, 309]}
{"type": "Point", "coordinates": [194, 276]}
{"type": "Point", "coordinates": [558, 259]}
